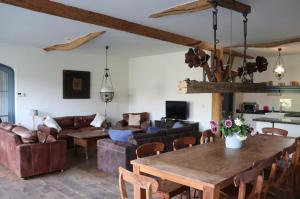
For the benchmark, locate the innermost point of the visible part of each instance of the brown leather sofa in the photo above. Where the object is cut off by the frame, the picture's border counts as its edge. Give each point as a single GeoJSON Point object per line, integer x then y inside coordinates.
{"type": "Point", "coordinates": [69, 124]}
{"type": "Point", "coordinates": [27, 154]}
{"type": "Point", "coordinates": [113, 154]}
{"type": "Point", "coordinates": [144, 122]}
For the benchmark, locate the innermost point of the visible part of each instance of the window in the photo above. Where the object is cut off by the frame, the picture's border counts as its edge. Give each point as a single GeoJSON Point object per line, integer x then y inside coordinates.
{"type": "Point", "coordinates": [7, 109]}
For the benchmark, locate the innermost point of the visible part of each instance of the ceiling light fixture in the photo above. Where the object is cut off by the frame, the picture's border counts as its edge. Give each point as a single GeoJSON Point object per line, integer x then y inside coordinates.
{"type": "Point", "coordinates": [107, 89]}
{"type": "Point", "coordinates": [279, 69]}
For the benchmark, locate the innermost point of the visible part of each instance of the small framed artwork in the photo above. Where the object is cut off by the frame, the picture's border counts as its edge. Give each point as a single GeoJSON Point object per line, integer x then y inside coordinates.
{"type": "Point", "coordinates": [76, 84]}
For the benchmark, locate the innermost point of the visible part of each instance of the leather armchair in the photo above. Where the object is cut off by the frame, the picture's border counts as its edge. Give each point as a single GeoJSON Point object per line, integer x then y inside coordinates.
{"type": "Point", "coordinates": [144, 122]}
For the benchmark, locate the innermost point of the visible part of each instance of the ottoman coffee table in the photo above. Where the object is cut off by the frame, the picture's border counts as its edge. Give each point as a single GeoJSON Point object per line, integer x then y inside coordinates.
{"type": "Point", "coordinates": [87, 140]}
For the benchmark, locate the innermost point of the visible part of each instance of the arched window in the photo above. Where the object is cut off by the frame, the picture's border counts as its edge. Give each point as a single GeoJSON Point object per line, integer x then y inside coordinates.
{"type": "Point", "coordinates": [7, 97]}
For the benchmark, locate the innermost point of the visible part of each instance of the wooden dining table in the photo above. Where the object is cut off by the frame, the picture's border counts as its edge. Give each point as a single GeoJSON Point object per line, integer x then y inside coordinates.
{"type": "Point", "coordinates": [209, 167]}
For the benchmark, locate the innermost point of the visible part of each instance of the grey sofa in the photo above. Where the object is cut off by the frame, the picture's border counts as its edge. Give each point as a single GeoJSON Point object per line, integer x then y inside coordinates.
{"type": "Point", "coordinates": [112, 154]}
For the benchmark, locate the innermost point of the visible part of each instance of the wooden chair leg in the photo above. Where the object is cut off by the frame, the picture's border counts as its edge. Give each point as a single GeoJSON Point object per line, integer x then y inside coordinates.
{"type": "Point", "coordinates": [194, 194]}
{"type": "Point", "coordinates": [188, 194]}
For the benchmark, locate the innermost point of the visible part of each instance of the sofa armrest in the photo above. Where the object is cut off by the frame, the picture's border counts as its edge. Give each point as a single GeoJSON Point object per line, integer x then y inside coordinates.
{"type": "Point", "coordinates": [145, 125]}
{"type": "Point", "coordinates": [121, 123]}
{"type": "Point", "coordinates": [48, 131]}
{"type": "Point", "coordinates": [40, 158]}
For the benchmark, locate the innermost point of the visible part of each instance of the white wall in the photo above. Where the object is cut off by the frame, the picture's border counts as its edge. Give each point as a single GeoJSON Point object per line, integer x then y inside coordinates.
{"type": "Point", "coordinates": [293, 70]}
{"type": "Point", "coordinates": [154, 79]}
{"type": "Point", "coordinates": [38, 74]}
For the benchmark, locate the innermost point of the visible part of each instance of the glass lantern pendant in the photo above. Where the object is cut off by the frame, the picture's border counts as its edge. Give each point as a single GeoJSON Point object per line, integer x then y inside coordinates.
{"type": "Point", "coordinates": [107, 90]}
{"type": "Point", "coordinates": [279, 69]}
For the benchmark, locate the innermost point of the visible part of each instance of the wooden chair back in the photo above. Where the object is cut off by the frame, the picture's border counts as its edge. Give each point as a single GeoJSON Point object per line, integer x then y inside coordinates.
{"type": "Point", "coordinates": [275, 131]}
{"type": "Point", "coordinates": [184, 142]}
{"type": "Point", "coordinates": [207, 136]}
{"type": "Point", "coordinates": [247, 177]}
{"type": "Point", "coordinates": [143, 182]}
{"type": "Point", "coordinates": [264, 165]}
{"type": "Point", "coordinates": [149, 149]}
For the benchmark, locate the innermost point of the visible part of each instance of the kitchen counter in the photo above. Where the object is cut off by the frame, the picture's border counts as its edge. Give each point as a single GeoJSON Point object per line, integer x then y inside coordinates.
{"type": "Point", "coordinates": [276, 120]}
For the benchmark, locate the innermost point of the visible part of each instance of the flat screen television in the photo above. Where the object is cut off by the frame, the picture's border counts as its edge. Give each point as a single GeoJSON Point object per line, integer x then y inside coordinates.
{"type": "Point", "coordinates": [177, 110]}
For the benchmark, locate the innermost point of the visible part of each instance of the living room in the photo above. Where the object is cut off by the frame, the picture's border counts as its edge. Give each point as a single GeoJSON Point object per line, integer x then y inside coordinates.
{"type": "Point", "coordinates": [148, 68]}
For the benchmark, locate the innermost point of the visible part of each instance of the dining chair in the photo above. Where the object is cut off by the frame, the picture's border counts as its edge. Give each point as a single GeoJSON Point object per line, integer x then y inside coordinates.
{"type": "Point", "coordinates": [166, 189]}
{"type": "Point", "coordinates": [275, 131]}
{"type": "Point", "coordinates": [252, 176]}
{"type": "Point", "coordinates": [143, 182]}
{"type": "Point", "coordinates": [297, 169]}
{"type": "Point", "coordinates": [262, 167]}
{"type": "Point", "coordinates": [284, 182]}
{"type": "Point", "coordinates": [207, 136]}
{"type": "Point", "coordinates": [183, 142]}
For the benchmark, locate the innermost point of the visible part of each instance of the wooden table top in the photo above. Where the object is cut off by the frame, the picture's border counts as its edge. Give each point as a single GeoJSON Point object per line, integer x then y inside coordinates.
{"type": "Point", "coordinates": [89, 134]}
{"type": "Point", "coordinates": [211, 164]}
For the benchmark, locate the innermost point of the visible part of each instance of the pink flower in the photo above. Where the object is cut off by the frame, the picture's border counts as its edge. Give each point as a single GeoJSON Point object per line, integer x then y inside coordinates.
{"type": "Point", "coordinates": [228, 123]}
{"type": "Point", "coordinates": [253, 132]}
{"type": "Point", "coordinates": [214, 130]}
{"type": "Point", "coordinates": [214, 127]}
{"type": "Point", "coordinates": [213, 123]}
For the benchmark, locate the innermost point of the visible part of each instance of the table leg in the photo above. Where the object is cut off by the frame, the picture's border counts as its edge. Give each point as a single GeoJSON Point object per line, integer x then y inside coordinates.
{"type": "Point", "coordinates": [75, 148]}
{"type": "Point", "coordinates": [138, 193]}
{"type": "Point", "coordinates": [86, 152]}
{"type": "Point", "coordinates": [211, 193]}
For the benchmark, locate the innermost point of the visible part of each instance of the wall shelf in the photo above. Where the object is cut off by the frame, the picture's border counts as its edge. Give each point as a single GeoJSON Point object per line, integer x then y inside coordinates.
{"type": "Point", "coordinates": [193, 86]}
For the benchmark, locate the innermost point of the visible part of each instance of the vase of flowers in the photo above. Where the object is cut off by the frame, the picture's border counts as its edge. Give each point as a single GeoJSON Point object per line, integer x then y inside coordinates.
{"type": "Point", "coordinates": [235, 131]}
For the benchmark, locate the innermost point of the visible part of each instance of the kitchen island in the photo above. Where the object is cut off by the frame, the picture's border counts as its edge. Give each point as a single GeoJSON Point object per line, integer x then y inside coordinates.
{"type": "Point", "coordinates": [292, 125]}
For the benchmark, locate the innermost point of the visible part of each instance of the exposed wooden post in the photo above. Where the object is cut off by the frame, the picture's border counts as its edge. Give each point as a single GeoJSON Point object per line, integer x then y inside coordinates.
{"type": "Point", "coordinates": [217, 101]}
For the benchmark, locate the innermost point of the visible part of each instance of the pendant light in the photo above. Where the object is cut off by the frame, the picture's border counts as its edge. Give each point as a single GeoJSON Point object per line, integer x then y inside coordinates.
{"type": "Point", "coordinates": [107, 90]}
{"type": "Point", "coordinates": [279, 69]}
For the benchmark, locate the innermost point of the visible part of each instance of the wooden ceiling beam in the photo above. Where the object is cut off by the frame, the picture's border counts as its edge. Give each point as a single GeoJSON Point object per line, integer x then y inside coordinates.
{"type": "Point", "coordinates": [271, 44]}
{"type": "Point", "coordinates": [75, 43]}
{"type": "Point", "coordinates": [85, 16]}
{"type": "Point", "coordinates": [199, 5]}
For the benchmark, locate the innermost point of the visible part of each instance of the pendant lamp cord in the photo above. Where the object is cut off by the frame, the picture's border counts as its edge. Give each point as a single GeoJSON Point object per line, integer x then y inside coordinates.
{"type": "Point", "coordinates": [215, 28]}
{"type": "Point", "coordinates": [245, 73]}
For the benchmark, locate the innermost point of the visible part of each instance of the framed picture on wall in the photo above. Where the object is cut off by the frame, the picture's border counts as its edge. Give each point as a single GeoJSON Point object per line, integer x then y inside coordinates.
{"type": "Point", "coordinates": [76, 84]}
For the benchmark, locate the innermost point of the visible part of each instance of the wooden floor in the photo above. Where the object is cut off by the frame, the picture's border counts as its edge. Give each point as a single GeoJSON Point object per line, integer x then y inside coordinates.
{"type": "Point", "coordinates": [81, 180]}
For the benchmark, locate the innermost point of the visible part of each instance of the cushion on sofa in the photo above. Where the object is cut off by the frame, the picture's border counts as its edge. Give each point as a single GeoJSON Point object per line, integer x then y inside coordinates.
{"type": "Point", "coordinates": [83, 121]}
{"type": "Point", "coordinates": [144, 116]}
{"type": "Point", "coordinates": [134, 120]}
{"type": "Point", "coordinates": [6, 126]}
{"type": "Point", "coordinates": [98, 120]}
{"type": "Point", "coordinates": [153, 129]}
{"type": "Point", "coordinates": [27, 136]}
{"type": "Point", "coordinates": [65, 122]}
{"type": "Point", "coordinates": [51, 123]}
{"type": "Point", "coordinates": [120, 135]}
{"type": "Point", "coordinates": [177, 125]}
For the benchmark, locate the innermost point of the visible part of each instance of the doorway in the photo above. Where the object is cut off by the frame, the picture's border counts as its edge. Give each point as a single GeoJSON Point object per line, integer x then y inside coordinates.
{"type": "Point", "coordinates": [7, 97]}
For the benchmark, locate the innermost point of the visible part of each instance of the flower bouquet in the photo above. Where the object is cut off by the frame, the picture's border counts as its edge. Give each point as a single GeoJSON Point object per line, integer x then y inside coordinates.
{"type": "Point", "coordinates": [235, 131]}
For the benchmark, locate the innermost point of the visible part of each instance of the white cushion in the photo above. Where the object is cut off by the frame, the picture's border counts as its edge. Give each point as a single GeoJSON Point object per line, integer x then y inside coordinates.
{"type": "Point", "coordinates": [98, 120]}
{"type": "Point", "coordinates": [134, 120]}
{"type": "Point", "coordinates": [51, 123]}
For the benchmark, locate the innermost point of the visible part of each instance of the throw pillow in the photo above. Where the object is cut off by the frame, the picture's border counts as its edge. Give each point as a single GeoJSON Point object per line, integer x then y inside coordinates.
{"type": "Point", "coordinates": [153, 129]}
{"type": "Point", "coordinates": [51, 123]}
{"type": "Point", "coordinates": [134, 120]}
{"type": "Point", "coordinates": [98, 120]}
{"type": "Point", "coordinates": [177, 125]}
{"type": "Point", "coordinates": [119, 135]}
{"type": "Point", "coordinates": [27, 136]}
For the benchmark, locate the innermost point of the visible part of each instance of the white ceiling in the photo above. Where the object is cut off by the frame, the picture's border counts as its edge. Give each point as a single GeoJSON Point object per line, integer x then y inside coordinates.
{"type": "Point", "coordinates": [270, 20]}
